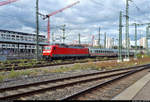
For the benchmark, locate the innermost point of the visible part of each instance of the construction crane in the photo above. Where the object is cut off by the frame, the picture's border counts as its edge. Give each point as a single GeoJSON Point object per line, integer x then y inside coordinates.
{"type": "Point", "coordinates": [7, 2]}
{"type": "Point", "coordinates": [54, 13]}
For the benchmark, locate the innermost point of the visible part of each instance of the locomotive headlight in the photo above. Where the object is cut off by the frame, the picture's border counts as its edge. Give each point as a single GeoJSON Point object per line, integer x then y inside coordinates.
{"type": "Point", "coordinates": [46, 51]}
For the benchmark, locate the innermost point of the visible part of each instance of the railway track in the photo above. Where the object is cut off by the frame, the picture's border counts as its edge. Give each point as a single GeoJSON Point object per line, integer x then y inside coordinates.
{"type": "Point", "coordinates": [91, 92]}
{"type": "Point", "coordinates": [38, 66]}
{"type": "Point", "coordinates": [27, 90]}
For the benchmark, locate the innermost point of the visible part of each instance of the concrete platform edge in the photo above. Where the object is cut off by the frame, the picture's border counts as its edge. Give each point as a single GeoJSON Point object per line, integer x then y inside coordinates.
{"type": "Point", "coordinates": [131, 91]}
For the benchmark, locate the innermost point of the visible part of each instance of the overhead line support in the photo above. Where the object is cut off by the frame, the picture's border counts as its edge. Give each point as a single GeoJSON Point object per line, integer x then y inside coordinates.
{"type": "Point", "coordinates": [105, 40]}
{"type": "Point", "coordinates": [127, 30]}
{"type": "Point", "coordinates": [37, 30]}
{"type": "Point", "coordinates": [99, 38]}
{"type": "Point", "coordinates": [120, 38]}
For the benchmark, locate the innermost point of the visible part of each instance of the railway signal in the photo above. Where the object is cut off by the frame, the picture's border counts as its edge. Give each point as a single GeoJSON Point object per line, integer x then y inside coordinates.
{"type": "Point", "coordinates": [7, 2]}
{"type": "Point", "coordinates": [54, 13]}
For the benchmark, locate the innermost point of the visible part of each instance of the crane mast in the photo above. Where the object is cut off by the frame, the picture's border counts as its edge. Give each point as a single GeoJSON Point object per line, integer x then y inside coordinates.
{"type": "Point", "coordinates": [54, 13]}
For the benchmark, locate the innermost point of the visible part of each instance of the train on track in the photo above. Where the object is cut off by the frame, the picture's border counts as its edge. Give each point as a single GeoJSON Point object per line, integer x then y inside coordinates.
{"type": "Point", "coordinates": [59, 51]}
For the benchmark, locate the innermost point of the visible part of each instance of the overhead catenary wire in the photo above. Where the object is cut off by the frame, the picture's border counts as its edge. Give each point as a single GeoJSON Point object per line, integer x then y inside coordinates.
{"type": "Point", "coordinates": [139, 9]}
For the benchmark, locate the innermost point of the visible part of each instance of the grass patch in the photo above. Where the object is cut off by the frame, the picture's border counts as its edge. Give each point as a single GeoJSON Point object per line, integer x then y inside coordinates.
{"type": "Point", "coordinates": [15, 74]}
{"type": "Point", "coordinates": [75, 67]}
{"type": "Point", "coordinates": [2, 78]}
{"type": "Point", "coordinates": [78, 66]}
{"type": "Point", "coordinates": [60, 70]}
{"type": "Point", "coordinates": [103, 65]}
{"type": "Point", "coordinates": [45, 70]}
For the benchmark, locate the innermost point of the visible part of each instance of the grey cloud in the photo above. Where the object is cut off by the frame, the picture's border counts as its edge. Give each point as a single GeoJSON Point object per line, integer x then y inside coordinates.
{"type": "Point", "coordinates": [84, 17]}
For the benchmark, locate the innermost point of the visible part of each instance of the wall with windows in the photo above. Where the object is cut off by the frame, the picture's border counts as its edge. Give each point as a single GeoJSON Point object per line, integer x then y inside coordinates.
{"type": "Point", "coordinates": [10, 35]}
{"type": "Point", "coordinates": [13, 49]}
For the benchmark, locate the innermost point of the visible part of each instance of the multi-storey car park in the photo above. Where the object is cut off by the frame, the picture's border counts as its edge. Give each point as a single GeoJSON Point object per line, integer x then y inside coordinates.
{"type": "Point", "coordinates": [18, 43]}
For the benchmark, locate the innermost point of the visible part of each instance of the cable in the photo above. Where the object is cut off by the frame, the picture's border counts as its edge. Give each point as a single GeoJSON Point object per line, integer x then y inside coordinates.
{"type": "Point", "coordinates": [138, 9]}
{"type": "Point", "coordinates": [97, 2]}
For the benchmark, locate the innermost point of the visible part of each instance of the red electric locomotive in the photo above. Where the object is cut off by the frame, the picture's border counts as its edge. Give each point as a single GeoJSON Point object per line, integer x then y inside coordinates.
{"type": "Point", "coordinates": [58, 51]}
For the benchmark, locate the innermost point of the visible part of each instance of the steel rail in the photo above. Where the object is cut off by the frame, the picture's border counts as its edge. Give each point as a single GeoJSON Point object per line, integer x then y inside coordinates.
{"type": "Point", "coordinates": [88, 90]}
{"type": "Point", "coordinates": [18, 95]}
{"type": "Point", "coordinates": [72, 77]}
{"type": "Point", "coordinates": [38, 66]}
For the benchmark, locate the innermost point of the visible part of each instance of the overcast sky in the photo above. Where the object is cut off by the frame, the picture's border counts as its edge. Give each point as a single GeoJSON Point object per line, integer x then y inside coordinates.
{"type": "Point", "coordinates": [83, 18]}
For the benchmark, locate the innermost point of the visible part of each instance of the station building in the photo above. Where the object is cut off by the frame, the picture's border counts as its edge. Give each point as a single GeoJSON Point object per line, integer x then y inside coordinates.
{"type": "Point", "coordinates": [14, 43]}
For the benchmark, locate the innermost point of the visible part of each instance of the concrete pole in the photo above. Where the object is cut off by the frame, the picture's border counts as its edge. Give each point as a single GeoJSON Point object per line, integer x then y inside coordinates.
{"type": "Point", "coordinates": [147, 33]}
{"type": "Point", "coordinates": [79, 39]}
{"type": "Point", "coordinates": [53, 37]}
{"type": "Point", "coordinates": [99, 37]}
{"type": "Point", "coordinates": [64, 33]}
{"type": "Point", "coordinates": [113, 40]}
{"type": "Point", "coordinates": [105, 40]}
{"type": "Point", "coordinates": [37, 30]}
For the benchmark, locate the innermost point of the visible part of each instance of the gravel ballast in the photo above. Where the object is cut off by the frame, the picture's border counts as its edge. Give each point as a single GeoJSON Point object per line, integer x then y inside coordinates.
{"type": "Point", "coordinates": [105, 94]}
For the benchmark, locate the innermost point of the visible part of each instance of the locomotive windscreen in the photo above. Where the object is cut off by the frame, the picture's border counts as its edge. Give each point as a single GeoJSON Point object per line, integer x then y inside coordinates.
{"type": "Point", "coordinates": [47, 47]}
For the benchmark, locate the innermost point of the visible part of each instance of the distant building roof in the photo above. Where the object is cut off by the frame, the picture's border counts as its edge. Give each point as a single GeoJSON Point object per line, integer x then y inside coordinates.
{"type": "Point", "coordinates": [20, 33]}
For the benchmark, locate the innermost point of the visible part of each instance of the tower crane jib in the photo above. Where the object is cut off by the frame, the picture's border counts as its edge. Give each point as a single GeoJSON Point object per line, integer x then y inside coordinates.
{"type": "Point", "coordinates": [54, 13]}
{"type": "Point", "coordinates": [7, 2]}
